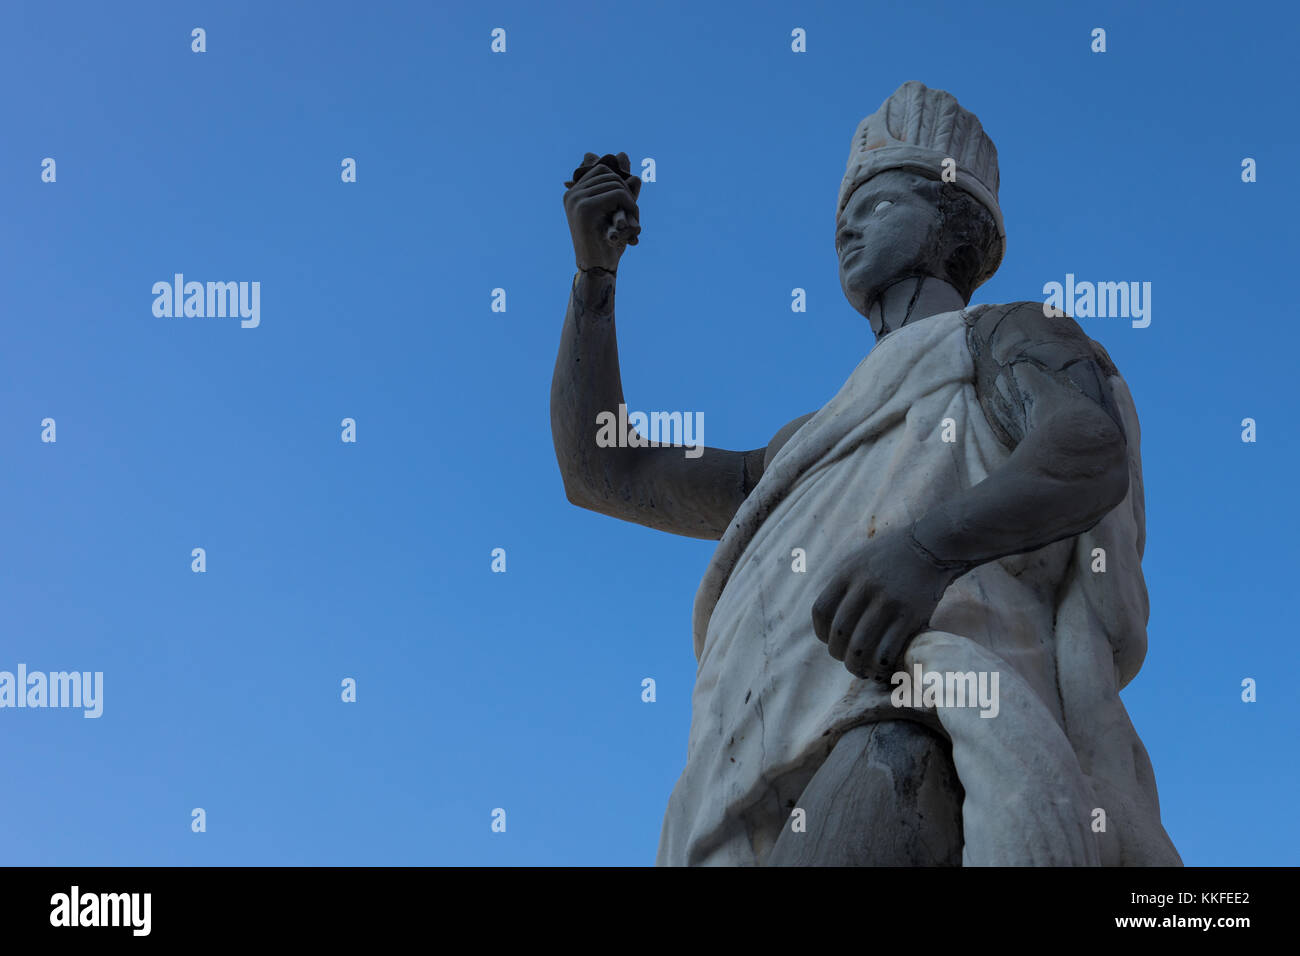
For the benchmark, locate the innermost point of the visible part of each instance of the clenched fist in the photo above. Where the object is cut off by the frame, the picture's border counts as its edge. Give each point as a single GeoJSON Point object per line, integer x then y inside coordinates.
{"type": "Point", "coordinates": [601, 207]}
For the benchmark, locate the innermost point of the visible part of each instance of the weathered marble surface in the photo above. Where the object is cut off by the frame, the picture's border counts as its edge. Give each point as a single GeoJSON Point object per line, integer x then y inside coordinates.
{"type": "Point", "coordinates": [769, 702]}
{"type": "Point", "coordinates": [970, 553]}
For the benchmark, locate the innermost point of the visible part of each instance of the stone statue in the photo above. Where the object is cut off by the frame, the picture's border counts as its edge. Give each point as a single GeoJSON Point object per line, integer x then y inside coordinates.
{"type": "Point", "coordinates": [970, 517]}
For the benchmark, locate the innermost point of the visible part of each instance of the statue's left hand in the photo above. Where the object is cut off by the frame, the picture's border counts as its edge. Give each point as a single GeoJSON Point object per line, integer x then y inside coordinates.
{"type": "Point", "coordinates": [878, 600]}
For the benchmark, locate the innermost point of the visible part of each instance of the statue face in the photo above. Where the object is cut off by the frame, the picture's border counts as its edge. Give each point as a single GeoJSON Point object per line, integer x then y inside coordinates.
{"type": "Point", "coordinates": [889, 231]}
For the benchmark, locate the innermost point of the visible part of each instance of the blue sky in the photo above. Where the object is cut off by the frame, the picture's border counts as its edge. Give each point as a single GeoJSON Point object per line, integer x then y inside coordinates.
{"type": "Point", "coordinates": [372, 560]}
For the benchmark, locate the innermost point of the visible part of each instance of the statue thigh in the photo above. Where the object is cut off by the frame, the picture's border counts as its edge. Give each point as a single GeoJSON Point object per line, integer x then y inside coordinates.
{"type": "Point", "coordinates": [887, 795]}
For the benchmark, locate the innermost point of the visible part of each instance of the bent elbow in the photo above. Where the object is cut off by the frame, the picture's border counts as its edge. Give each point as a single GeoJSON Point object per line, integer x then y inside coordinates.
{"type": "Point", "coordinates": [1113, 477]}
{"type": "Point", "coordinates": [1085, 450]}
{"type": "Point", "coordinates": [1116, 483]}
{"type": "Point", "coordinates": [582, 492]}
{"type": "Point", "coordinates": [577, 494]}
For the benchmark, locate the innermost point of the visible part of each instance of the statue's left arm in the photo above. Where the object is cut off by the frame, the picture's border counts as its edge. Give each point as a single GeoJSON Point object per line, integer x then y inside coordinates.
{"type": "Point", "coordinates": [1043, 386]}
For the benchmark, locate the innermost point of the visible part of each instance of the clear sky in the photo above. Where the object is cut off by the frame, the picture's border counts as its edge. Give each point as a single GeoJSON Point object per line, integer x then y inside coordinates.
{"type": "Point", "coordinates": [372, 560]}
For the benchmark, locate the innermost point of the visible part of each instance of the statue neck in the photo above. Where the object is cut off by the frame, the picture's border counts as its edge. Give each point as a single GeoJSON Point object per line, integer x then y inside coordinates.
{"type": "Point", "coordinates": [910, 300]}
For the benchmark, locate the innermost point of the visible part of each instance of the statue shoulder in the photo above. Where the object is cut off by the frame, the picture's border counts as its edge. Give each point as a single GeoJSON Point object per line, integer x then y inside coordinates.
{"type": "Point", "coordinates": [1023, 330]}
{"type": "Point", "coordinates": [1002, 337]}
{"type": "Point", "coordinates": [782, 436]}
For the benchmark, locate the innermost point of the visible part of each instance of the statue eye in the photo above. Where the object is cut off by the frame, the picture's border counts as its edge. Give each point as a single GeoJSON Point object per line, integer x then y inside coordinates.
{"type": "Point", "coordinates": [883, 204]}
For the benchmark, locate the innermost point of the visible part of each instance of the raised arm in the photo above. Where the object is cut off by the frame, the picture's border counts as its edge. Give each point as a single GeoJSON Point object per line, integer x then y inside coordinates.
{"type": "Point", "coordinates": [658, 487]}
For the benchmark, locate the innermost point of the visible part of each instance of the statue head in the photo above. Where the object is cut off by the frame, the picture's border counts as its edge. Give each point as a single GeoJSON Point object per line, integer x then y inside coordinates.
{"type": "Point", "coordinates": [919, 198]}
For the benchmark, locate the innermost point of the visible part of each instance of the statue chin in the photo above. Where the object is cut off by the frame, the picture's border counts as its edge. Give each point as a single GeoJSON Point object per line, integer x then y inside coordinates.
{"type": "Point", "coordinates": [856, 280]}
{"type": "Point", "coordinates": [868, 272]}
{"type": "Point", "coordinates": [861, 290]}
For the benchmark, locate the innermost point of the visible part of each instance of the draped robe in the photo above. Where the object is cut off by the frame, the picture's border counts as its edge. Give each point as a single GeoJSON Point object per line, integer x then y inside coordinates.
{"type": "Point", "coordinates": [769, 701]}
